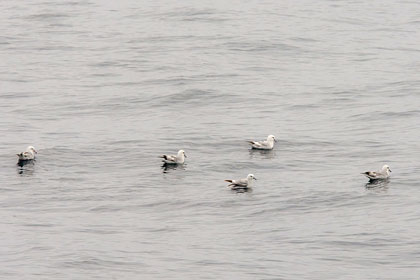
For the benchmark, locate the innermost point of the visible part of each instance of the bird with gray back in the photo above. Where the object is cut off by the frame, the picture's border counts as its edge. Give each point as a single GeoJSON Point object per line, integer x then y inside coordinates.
{"type": "Point", "coordinates": [264, 145]}
{"type": "Point", "coordinates": [246, 183]}
{"type": "Point", "coordinates": [29, 154]}
{"type": "Point", "coordinates": [383, 174]}
{"type": "Point", "coordinates": [174, 159]}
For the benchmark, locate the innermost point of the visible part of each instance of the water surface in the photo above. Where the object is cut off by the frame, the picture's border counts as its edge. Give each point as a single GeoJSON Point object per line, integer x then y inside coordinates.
{"type": "Point", "coordinates": [103, 88]}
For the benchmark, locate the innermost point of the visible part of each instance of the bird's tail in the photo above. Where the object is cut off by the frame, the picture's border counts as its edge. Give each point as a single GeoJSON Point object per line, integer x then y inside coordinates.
{"type": "Point", "coordinates": [251, 142]}
{"type": "Point", "coordinates": [229, 181]}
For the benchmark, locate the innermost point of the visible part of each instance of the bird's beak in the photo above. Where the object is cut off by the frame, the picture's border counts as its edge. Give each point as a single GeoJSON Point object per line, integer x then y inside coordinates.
{"type": "Point", "coordinates": [185, 155]}
{"type": "Point", "coordinates": [389, 170]}
{"type": "Point", "coordinates": [18, 154]}
{"type": "Point", "coordinates": [255, 178]}
{"type": "Point", "coordinates": [275, 140]}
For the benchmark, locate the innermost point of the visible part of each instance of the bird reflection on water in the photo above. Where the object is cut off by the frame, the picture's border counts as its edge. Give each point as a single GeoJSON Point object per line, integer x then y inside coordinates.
{"type": "Point", "coordinates": [25, 167]}
{"type": "Point", "coordinates": [378, 185]}
{"type": "Point", "coordinates": [168, 167]}
{"type": "Point", "coordinates": [242, 190]}
{"type": "Point", "coordinates": [266, 154]}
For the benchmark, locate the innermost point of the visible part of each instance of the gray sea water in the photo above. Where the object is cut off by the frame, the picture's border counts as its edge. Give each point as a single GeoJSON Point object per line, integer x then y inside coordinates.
{"type": "Point", "coordinates": [102, 88]}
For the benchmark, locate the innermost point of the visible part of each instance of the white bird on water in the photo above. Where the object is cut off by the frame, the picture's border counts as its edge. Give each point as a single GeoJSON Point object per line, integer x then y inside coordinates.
{"type": "Point", "coordinates": [378, 175]}
{"type": "Point", "coordinates": [174, 159]}
{"type": "Point", "coordinates": [264, 145]}
{"type": "Point", "coordinates": [29, 154]}
{"type": "Point", "coordinates": [246, 183]}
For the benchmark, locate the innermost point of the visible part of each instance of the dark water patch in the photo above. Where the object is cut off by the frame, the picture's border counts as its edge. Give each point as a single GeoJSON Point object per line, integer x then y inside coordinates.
{"type": "Point", "coordinates": [260, 46]}
{"type": "Point", "coordinates": [47, 16]}
{"type": "Point", "coordinates": [191, 97]}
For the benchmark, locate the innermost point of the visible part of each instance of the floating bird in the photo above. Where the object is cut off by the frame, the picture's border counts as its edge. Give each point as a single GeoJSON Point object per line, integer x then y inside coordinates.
{"type": "Point", "coordinates": [174, 159]}
{"type": "Point", "coordinates": [242, 183]}
{"type": "Point", "coordinates": [29, 154]}
{"type": "Point", "coordinates": [264, 145]}
{"type": "Point", "coordinates": [378, 175]}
